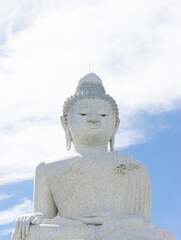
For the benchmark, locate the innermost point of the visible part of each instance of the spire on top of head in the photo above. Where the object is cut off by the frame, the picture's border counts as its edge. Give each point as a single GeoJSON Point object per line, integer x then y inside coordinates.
{"type": "Point", "coordinates": [90, 78]}
{"type": "Point", "coordinates": [90, 84]}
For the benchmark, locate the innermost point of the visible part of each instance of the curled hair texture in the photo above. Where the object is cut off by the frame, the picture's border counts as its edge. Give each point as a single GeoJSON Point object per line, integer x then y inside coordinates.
{"type": "Point", "coordinates": [90, 87]}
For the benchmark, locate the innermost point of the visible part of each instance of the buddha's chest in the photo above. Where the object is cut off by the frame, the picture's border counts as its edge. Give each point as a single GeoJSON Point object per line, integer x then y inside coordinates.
{"type": "Point", "coordinates": [87, 186]}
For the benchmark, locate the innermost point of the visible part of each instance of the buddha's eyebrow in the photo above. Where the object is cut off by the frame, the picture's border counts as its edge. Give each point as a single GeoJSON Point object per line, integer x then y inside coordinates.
{"type": "Point", "coordinates": [103, 107]}
{"type": "Point", "coordinates": [82, 107]}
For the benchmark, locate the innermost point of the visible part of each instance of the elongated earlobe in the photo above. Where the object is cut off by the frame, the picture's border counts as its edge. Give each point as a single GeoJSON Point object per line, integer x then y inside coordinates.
{"type": "Point", "coordinates": [68, 140]}
{"type": "Point", "coordinates": [112, 140]}
{"type": "Point", "coordinates": [112, 143]}
{"type": "Point", "coordinates": [67, 133]}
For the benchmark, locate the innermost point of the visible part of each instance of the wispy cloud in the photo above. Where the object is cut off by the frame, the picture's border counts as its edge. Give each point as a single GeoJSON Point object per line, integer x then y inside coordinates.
{"type": "Point", "coordinates": [135, 47]}
{"type": "Point", "coordinates": [11, 214]}
{"type": "Point", "coordinates": [16, 174]}
{"type": "Point", "coordinates": [5, 196]}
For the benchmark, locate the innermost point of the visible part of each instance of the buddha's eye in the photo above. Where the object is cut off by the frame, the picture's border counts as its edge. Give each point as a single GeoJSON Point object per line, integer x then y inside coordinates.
{"type": "Point", "coordinates": [103, 111]}
{"type": "Point", "coordinates": [83, 114]}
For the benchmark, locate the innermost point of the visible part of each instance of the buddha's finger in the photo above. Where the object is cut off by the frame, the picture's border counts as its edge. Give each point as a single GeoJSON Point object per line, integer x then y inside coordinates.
{"type": "Point", "coordinates": [23, 227]}
{"type": "Point", "coordinates": [18, 224]}
{"type": "Point", "coordinates": [27, 227]}
{"type": "Point", "coordinates": [28, 221]}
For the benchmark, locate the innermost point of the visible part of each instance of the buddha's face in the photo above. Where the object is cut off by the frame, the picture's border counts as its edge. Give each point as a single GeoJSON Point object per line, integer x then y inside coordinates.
{"type": "Point", "coordinates": [91, 122]}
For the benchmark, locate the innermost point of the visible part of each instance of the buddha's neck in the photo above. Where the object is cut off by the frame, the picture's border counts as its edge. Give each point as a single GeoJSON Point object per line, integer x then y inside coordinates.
{"type": "Point", "coordinates": [90, 150]}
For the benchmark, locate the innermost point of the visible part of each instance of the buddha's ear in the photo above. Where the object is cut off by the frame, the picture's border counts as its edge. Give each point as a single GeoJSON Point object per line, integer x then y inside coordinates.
{"type": "Point", "coordinates": [67, 133]}
{"type": "Point", "coordinates": [112, 140]}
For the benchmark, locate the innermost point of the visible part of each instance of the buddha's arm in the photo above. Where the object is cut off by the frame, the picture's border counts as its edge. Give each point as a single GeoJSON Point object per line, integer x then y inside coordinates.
{"type": "Point", "coordinates": [43, 199]}
{"type": "Point", "coordinates": [44, 206]}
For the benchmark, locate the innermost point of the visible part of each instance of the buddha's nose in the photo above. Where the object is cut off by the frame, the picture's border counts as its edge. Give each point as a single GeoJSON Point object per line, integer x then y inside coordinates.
{"type": "Point", "coordinates": [93, 117]}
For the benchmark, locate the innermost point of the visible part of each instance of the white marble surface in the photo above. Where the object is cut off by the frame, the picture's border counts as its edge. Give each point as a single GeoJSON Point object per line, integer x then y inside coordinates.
{"type": "Point", "coordinates": [97, 194]}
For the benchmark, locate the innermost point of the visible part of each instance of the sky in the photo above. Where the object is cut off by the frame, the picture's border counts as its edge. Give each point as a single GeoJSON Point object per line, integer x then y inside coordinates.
{"type": "Point", "coordinates": [46, 47]}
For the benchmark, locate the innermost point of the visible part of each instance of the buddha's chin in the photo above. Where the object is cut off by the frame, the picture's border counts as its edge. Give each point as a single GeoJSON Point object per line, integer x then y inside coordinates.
{"type": "Point", "coordinates": [93, 139]}
{"type": "Point", "coordinates": [92, 135]}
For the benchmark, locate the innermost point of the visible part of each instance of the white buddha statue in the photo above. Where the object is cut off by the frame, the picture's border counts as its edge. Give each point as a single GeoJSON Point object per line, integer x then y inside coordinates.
{"type": "Point", "coordinates": [98, 195]}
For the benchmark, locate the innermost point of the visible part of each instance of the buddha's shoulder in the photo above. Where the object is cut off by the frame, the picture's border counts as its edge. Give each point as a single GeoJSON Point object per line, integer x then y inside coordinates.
{"type": "Point", "coordinates": [57, 163]}
{"type": "Point", "coordinates": [130, 161]}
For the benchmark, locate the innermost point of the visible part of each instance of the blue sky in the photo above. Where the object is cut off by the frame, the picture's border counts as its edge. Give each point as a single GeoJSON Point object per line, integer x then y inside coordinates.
{"type": "Point", "coordinates": [46, 47]}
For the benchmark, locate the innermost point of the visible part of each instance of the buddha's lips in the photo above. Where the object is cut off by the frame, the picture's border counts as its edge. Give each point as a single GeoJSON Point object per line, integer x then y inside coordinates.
{"type": "Point", "coordinates": [93, 125]}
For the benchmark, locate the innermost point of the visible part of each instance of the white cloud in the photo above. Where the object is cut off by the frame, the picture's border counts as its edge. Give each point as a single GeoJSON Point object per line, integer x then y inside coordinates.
{"type": "Point", "coordinates": [32, 143]}
{"type": "Point", "coordinates": [135, 47]}
{"type": "Point", "coordinates": [11, 214]}
{"type": "Point", "coordinates": [5, 196]}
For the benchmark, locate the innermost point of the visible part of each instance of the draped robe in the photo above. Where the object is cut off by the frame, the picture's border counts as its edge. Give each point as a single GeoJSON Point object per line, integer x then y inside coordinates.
{"type": "Point", "coordinates": [113, 187]}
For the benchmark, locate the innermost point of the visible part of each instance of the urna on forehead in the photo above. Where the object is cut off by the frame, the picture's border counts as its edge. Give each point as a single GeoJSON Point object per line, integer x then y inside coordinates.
{"type": "Point", "coordinates": [91, 87]}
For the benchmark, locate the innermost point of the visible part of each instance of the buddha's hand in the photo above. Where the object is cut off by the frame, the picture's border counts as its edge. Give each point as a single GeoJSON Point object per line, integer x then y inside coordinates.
{"type": "Point", "coordinates": [23, 223]}
{"type": "Point", "coordinates": [97, 217]}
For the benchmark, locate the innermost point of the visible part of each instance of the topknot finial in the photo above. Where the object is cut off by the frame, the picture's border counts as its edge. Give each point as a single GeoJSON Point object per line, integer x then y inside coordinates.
{"type": "Point", "coordinates": [90, 83]}
{"type": "Point", "coordinates": [90, 78]}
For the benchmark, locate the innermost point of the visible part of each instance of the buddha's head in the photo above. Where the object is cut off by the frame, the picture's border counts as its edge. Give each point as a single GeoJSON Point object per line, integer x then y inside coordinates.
{"type": "Point", "coordinates": [90, 116]}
